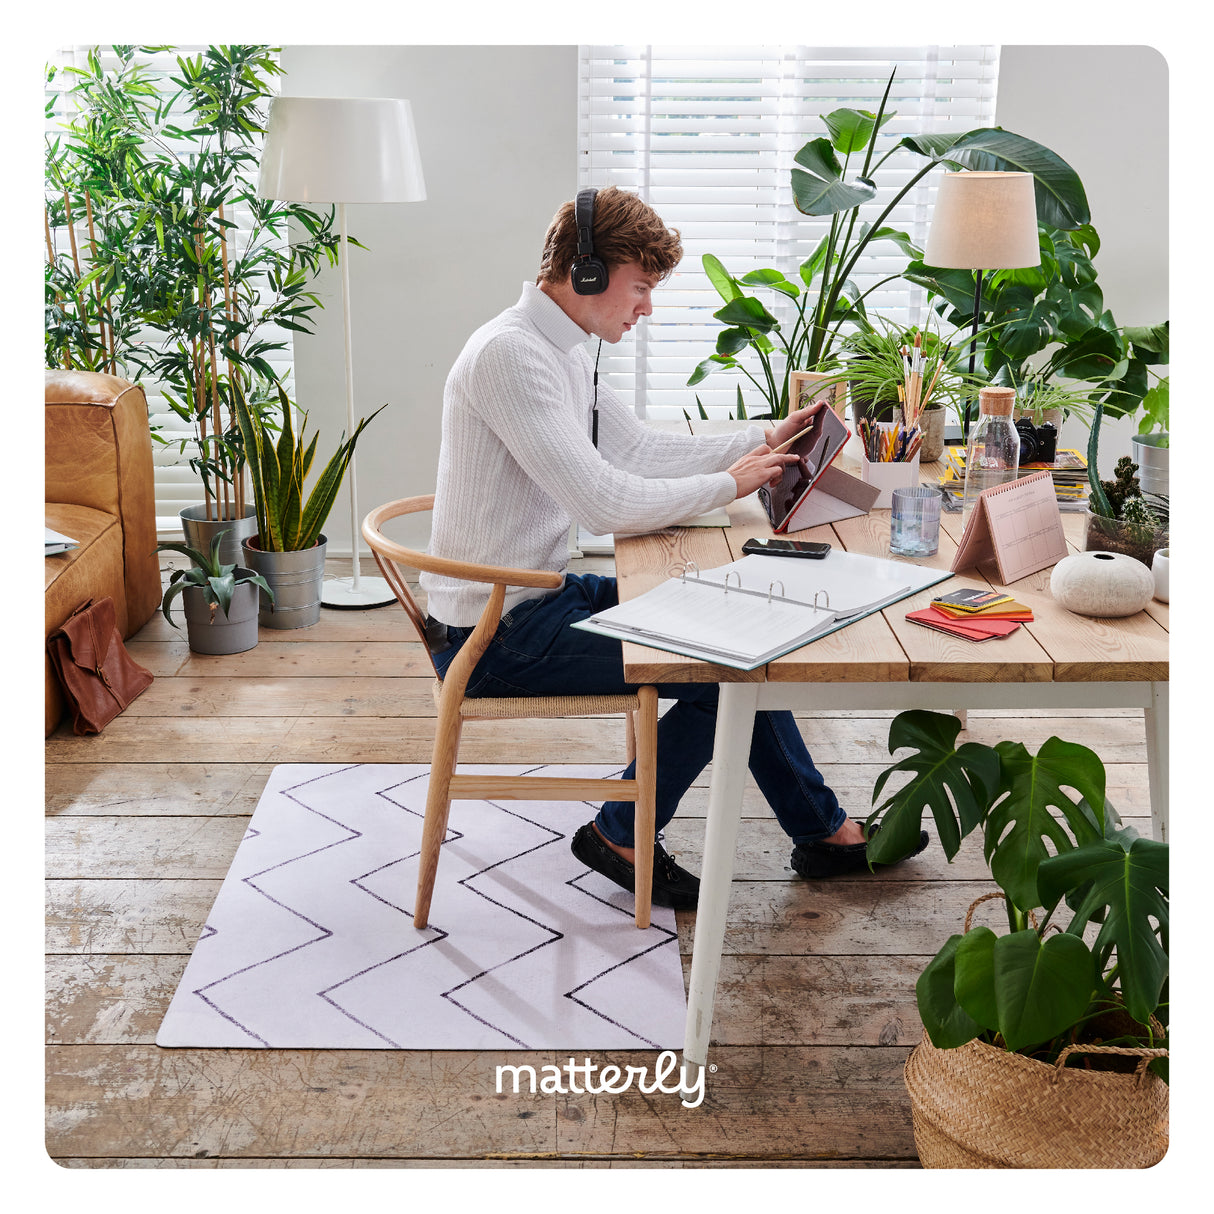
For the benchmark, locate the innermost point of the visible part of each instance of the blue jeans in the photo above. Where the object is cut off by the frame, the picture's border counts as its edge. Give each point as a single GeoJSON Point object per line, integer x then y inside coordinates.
{"type": "Point", "coordinates": [535, 652]}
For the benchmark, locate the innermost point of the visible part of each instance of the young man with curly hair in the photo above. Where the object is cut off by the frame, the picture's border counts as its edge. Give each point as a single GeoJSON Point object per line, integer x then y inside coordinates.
{"type": "Point", "coordinates": [530, 442]}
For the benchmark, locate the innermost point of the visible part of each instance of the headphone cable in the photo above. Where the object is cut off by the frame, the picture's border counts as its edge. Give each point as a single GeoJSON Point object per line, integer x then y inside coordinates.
{"type": "Point", "coordinates": [594, 413]}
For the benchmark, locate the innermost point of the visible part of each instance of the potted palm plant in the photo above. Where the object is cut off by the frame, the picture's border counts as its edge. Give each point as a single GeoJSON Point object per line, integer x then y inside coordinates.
{"type": "Point", "coordinates": [289, 548]}
{"type": "Point", "coordinates": [1044, 1046]}
{"type": "Point", "coordinates": [209, 587]}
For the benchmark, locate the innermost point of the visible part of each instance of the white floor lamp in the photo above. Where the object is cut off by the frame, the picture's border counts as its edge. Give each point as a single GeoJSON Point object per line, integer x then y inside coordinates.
{"type": "Point", "coordinates": [343, 150]}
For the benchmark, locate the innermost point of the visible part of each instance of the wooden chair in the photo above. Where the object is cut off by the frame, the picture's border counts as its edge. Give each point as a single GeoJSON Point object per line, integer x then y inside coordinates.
{"type": "Point", "coordinates": [453, 710]}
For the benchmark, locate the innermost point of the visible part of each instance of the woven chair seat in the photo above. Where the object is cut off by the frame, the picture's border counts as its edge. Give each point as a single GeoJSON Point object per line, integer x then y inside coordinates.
{"type": "Point", "coordinates": [489, 708]}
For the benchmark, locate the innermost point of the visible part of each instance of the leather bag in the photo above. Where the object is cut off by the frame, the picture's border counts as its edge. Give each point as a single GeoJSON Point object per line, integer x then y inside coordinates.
{"type": "Point", "coordinates": [98, 676]}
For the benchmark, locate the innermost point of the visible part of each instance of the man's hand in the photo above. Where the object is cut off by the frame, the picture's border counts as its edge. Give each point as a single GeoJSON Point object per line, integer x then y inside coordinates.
{"type": "Point", "coordinates": [793, 424]}
{"type": "Point", "coordinates": [758, 468]}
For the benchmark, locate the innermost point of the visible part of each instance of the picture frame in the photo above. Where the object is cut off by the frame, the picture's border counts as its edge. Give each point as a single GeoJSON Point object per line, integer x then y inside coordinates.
{"type": "Point", "coordinates": [802, 391]}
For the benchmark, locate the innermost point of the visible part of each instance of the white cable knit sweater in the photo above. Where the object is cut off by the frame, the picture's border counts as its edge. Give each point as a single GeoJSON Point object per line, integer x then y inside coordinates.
{"type": "Point", "coordinates": [517, 464]}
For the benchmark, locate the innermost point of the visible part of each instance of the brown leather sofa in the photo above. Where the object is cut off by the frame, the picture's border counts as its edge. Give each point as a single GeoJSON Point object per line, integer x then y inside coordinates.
{"type": "Point", "coordinates": [99, 491]}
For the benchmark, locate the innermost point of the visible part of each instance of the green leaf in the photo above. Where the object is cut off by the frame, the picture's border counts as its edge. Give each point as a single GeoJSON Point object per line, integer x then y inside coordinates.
{"type": "Point", "coordinates": [714, 362]}
{"type": "Point", "coordinates": [974, 976]}
{"type": "Point", "coordinates": [1150, 343]}
{"type": "Point", "coordinates": [731, 341]}
{"type": "Point", "coordinates": [749, 313]}
{"type": "Point", "coordinates": [1020, 823]}
{"type": "Point", "coordinates": [850, 130]}
{"type": "Point", "coordinates": [1093, 356]}
{"type": "Point", "coordinates": [221, 591]}
{"type": "Point", "coordinates": [720, 278]}
{"type": "Point", "coordinates": [1041, 989]}
{"type": "Point", "coordinates": [820, 189]}
{"type": "Point", "coordinates": [1127, 880]}
{"type": "Point", "coordinates": [1155, 408]}
{"type": "Point", "coordinates": [1061, 199]}
{"type": "Point", "coordinates": [946, 1022]}
{"type": "Point", "coordinates": [773, 279]}
{"type": "Point", "coordinates": [942, 777]}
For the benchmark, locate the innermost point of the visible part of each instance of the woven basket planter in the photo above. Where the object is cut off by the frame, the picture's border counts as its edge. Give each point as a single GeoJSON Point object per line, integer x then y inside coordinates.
{"type": "Point", "coordinates": [980, 1107]}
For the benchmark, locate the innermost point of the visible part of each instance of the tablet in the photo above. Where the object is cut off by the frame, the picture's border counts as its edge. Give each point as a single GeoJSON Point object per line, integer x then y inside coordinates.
{"type": "Point", "coordinates": [816, 445]}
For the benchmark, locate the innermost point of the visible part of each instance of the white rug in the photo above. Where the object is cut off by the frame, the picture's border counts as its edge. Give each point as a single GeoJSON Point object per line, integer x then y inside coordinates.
{"type": "Point", "coordinates": [311, 944]}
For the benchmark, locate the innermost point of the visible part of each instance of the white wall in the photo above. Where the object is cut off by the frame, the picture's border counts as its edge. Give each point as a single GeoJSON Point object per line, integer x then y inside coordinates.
{"type": "Point", "coordinates": [1104, 110]}
{"type": "Point", "coordinates": [497, 129]}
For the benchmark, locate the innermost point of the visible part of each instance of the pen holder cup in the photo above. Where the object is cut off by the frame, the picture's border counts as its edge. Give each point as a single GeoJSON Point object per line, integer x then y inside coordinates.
{"type": "Point", "coordinates": [914, 521]}
{"type": "Point", "coordinates": [888, 477]}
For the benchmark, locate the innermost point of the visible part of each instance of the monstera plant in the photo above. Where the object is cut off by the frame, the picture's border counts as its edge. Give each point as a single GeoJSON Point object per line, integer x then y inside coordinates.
{"type": "Point", "coordinates": [1085, 956]}
{"type": "Point", "coordinates": [824, 296]}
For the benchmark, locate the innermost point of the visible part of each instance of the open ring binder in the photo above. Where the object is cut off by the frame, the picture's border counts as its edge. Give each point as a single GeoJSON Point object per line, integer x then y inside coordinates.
{"type": "Point", "coordinates": [734, 616]}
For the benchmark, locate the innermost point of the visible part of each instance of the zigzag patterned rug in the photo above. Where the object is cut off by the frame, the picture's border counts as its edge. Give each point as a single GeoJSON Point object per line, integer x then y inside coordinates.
{"type": "Point", "coordinates": [311, 945]}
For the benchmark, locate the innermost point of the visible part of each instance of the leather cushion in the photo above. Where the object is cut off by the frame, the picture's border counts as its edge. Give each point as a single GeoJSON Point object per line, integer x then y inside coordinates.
{"type": "Point", "coordinates": [99, 454]}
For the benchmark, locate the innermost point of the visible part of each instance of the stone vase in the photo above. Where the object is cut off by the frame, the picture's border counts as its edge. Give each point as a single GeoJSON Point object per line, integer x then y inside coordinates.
{"type": "Point", "coordinates": [931, 426]}
{"type": "Point", "coordinates": [1102, 584]}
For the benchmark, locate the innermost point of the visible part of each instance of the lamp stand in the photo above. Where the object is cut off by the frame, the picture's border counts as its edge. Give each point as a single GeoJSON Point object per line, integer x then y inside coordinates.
{"type": "Point", "coordinates": [356, 591]}
{"type": "Point", "coordinates": [965, 428]}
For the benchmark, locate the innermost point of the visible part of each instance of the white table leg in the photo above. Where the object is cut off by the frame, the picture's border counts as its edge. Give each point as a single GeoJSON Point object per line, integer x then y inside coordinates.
{"type": "Point", "coordinates": [1156, 720]}
{"type": "Point", "coordinates": [731, 751]}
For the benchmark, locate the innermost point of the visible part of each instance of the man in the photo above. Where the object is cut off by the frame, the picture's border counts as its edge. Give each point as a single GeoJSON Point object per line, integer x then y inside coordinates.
{"type": "Point", "coordinates": [530, 442]}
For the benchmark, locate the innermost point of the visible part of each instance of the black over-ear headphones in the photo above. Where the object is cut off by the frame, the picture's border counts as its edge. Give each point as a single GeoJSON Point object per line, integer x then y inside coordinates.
{"type": "Point", "coordinates": [589, 273]}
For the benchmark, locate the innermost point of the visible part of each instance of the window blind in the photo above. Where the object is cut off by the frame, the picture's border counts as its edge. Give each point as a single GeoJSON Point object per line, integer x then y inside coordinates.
{"type": "Point", "coordinates": [177, 485]}
{"type": "Point", "coordinates": [707, 136]}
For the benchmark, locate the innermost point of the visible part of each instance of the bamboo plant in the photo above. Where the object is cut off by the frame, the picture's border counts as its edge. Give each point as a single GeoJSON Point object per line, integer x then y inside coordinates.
{"type": "Point", "coordinates": [165, 288]}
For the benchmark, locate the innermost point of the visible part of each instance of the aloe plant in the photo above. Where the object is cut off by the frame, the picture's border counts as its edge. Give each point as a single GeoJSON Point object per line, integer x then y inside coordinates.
{"type": "Point", "coordinates": [287, 521]}
{"type": "Point", "coordinates": [826, 297]}
{"type": "Point", "coordinates": [217, 581]}
{"type": "Point", "coordinates": [1028, 990]}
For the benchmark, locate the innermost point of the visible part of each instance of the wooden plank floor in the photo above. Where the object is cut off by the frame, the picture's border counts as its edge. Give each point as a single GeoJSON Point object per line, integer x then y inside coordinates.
{"type": "Point", "coordinates": [815, 1009]}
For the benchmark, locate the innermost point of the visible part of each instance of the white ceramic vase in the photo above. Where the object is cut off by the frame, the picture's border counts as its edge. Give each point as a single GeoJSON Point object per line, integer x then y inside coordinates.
{"type": "Point", "coordinates": [1106, 584]}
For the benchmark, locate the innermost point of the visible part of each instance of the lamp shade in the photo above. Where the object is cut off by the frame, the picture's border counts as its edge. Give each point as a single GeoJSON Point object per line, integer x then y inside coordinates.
{"type": "Point", "coordinates": [984, 221]}
{"type": "Point", "coordinates": [341, 149]}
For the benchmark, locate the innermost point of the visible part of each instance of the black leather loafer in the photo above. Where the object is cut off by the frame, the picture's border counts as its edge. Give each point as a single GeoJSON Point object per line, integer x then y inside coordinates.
{"type": "Point", "coordinates": [673, 886]}
{"type": "Point", "coordinates": [817, 860]}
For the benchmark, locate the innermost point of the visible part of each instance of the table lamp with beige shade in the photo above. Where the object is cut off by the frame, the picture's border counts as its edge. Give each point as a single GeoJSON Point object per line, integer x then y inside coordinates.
{"type": "Point", "coordinates": [983, 221]}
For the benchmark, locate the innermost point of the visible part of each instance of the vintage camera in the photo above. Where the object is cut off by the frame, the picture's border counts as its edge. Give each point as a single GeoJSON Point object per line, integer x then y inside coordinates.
{"type": "Point", "coordinates": [1038, 444]}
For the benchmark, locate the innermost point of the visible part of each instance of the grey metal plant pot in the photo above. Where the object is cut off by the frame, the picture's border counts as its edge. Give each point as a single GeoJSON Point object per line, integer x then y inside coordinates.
{"type": "Point", "coordinates": [217, 634]}
{"type": "Point", "coordinates": [295, 578]}
{"type": "Point", "coordinates": [199, 531]}
{"type": "Point", "coordinates": [1151, 453]}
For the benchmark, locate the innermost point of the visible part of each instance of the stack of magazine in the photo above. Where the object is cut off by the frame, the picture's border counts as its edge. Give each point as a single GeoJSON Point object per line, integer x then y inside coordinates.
{"type": "Point", "coordinates": [1069, 472]}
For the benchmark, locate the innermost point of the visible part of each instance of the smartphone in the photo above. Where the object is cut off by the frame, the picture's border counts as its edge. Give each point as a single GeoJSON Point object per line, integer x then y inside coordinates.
{"type": "Point", "coordinates": [802, 548]}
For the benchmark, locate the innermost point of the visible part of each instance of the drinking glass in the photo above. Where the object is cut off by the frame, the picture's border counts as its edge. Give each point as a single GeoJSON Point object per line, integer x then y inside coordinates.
{"type": "Point", "coordinates": [914, 528]}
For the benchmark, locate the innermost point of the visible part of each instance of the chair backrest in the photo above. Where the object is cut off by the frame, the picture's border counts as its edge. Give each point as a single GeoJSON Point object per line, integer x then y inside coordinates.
{"type": "Point", "coordinates": [390, 556]}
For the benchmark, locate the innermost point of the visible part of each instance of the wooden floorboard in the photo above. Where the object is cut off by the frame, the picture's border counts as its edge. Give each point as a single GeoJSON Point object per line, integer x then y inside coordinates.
{"type": "Point", "coordinates": [815, 1010]}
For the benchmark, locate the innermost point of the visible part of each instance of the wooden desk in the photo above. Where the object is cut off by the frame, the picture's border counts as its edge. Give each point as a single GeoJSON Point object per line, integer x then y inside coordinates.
{"type": "Point", "coordinates": [1059, 661]}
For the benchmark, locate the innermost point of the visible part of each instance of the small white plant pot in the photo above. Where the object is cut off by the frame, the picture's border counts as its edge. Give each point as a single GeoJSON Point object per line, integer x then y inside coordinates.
{"type": "Point", "coordinates": [1159, 567]}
